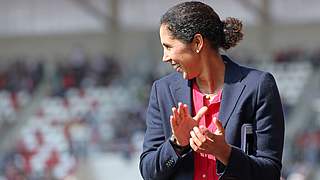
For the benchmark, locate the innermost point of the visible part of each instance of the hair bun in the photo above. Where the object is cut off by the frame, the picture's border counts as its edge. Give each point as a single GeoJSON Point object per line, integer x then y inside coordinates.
{"type": "Point", "coordinates": [232, 28]}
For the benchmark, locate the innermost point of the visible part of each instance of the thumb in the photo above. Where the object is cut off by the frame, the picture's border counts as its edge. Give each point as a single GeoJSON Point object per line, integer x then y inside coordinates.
{"type": "Point", "coordinates": [218, 125]}
{"type": "Point", "coordinates": [200, 113]}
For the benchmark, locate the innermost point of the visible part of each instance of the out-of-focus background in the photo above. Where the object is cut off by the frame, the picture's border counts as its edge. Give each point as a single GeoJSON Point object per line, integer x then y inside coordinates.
{"type": "Point", "coordinates": [75, 77]}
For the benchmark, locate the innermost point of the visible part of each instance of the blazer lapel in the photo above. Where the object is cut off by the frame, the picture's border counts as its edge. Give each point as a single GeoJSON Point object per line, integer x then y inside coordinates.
{"type": "Point", "coordinates": [181, 92]}
{"type": "Point", "coordinates": [232, 90]}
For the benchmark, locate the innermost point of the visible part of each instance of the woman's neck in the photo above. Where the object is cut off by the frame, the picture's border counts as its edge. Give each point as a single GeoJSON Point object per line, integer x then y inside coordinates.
{"type": "Point", "coordinates": [211, 78]}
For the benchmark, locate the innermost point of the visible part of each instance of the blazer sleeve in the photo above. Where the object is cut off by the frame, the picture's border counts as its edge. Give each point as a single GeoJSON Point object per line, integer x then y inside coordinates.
{"type": "Point", "coordinates": [158, 158]}
{"type": "Point", "coordinates": [265, 163]}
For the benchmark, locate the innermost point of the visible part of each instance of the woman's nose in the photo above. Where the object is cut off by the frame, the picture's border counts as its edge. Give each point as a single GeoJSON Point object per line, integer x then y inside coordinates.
{"type": "Point", "coordinates": [165, 57]}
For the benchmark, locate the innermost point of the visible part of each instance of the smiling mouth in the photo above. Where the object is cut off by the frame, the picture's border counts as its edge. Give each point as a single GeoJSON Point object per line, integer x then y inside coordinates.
{"type": "Point", "coordinates": [177, 67]}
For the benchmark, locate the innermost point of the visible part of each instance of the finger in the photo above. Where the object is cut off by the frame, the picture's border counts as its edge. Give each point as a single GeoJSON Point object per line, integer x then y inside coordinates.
{"type": "Point", "coordinates": [210, 136]}
{"type": "Point", "coordinates": [199, 135]}
{"type": "Point", "coordinates": [186, 111]}
{"type": "Point", "coordinates": [218, 125]}
{"type": "Point", "coordinates": [204, 151]}
{"type": "Point", "coordinates": [195, 139]}
{"type": "Point", "coordinates": [175, 115]}
{"type": "Point", "coordinates": [200, 113]}
{"type": "Point", "coordinates": [182, 112]}
{"type": "Point", "coordinates": [173, 122]}
{"type": "Point", "coordinates": [193, 145]}
{"type": "Point", "coordinates": [180, 109]}
{"type": "Point", "coordinates": [173, 111]}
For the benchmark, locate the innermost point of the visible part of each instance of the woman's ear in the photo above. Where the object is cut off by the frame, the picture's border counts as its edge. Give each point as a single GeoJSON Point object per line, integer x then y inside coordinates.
{"type": "Point", "coordinates": [197, 42]}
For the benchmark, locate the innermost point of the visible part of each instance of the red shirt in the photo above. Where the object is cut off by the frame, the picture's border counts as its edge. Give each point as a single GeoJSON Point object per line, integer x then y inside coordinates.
{"type": "Point", "coordinates": [205, 164]}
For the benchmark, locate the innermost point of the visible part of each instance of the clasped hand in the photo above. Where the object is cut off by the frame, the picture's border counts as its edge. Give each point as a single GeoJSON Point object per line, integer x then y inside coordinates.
{"type": "Point", "coordinates": [187, 132]}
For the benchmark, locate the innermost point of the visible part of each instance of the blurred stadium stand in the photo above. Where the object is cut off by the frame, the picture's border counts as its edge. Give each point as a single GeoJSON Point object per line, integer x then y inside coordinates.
{"type": "Point", "coordinates": [75, 77]}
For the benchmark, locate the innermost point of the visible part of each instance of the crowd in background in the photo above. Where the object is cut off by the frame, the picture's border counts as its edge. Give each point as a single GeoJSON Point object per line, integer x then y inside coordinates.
{"type": "Point", "coordinates": [18, 81]}
{"type": "Point", "coordinates": [81, 72]}
{"type": "Point", "coordinates": [86, 111]}
{"type": "Point", "coordinates": [20, 75]}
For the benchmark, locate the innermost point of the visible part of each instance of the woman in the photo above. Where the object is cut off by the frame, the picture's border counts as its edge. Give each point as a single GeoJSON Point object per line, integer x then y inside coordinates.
{"type": "Point", "coordinates": [195, 121]}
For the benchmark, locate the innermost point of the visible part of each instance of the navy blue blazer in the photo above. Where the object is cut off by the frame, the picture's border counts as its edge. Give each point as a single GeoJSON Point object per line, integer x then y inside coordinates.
{"type": "Point", "coordinates": [249, 96]}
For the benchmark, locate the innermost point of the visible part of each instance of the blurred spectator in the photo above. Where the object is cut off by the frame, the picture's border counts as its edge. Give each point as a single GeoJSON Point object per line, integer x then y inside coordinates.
{"type": "Point", "coordinates": [21, 76]}
{"type": "Point", "coordinates": [79, 72]}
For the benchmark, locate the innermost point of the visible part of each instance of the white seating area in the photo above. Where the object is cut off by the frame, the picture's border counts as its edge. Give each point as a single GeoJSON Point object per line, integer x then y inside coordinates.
{"type": "Point", "coordinates": [62, 129]}
{"type": "Point", "coordinates": [10, 104]}
{"type": "Point", "coordinates": [291, 77]}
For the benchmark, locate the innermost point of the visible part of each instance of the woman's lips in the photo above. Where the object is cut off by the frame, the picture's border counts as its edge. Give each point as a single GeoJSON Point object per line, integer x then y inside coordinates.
{"type": "Point", "coordinates": [177, 67]}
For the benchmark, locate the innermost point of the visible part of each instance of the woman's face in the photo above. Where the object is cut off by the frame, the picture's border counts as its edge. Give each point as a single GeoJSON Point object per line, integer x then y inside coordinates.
{"type": "Point", "coordinates": [180, 55]}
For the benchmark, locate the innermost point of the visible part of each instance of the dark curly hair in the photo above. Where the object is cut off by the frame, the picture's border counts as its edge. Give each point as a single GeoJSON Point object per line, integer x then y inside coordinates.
{"type": "Point", "coordinates": [186, 19]}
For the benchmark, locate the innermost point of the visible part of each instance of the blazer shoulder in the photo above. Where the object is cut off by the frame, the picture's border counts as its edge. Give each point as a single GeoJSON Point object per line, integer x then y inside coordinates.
{"type": "Point", "coordinates": [169, 79]}
{"type": "Point", "coordinates": [252, 75]}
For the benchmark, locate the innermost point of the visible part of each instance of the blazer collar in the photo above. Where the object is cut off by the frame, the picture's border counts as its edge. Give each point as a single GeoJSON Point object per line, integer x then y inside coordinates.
{"type": "Point", "coordinates": [232, 90]}
{"type": "Point", "coordinates": [181, 90]}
